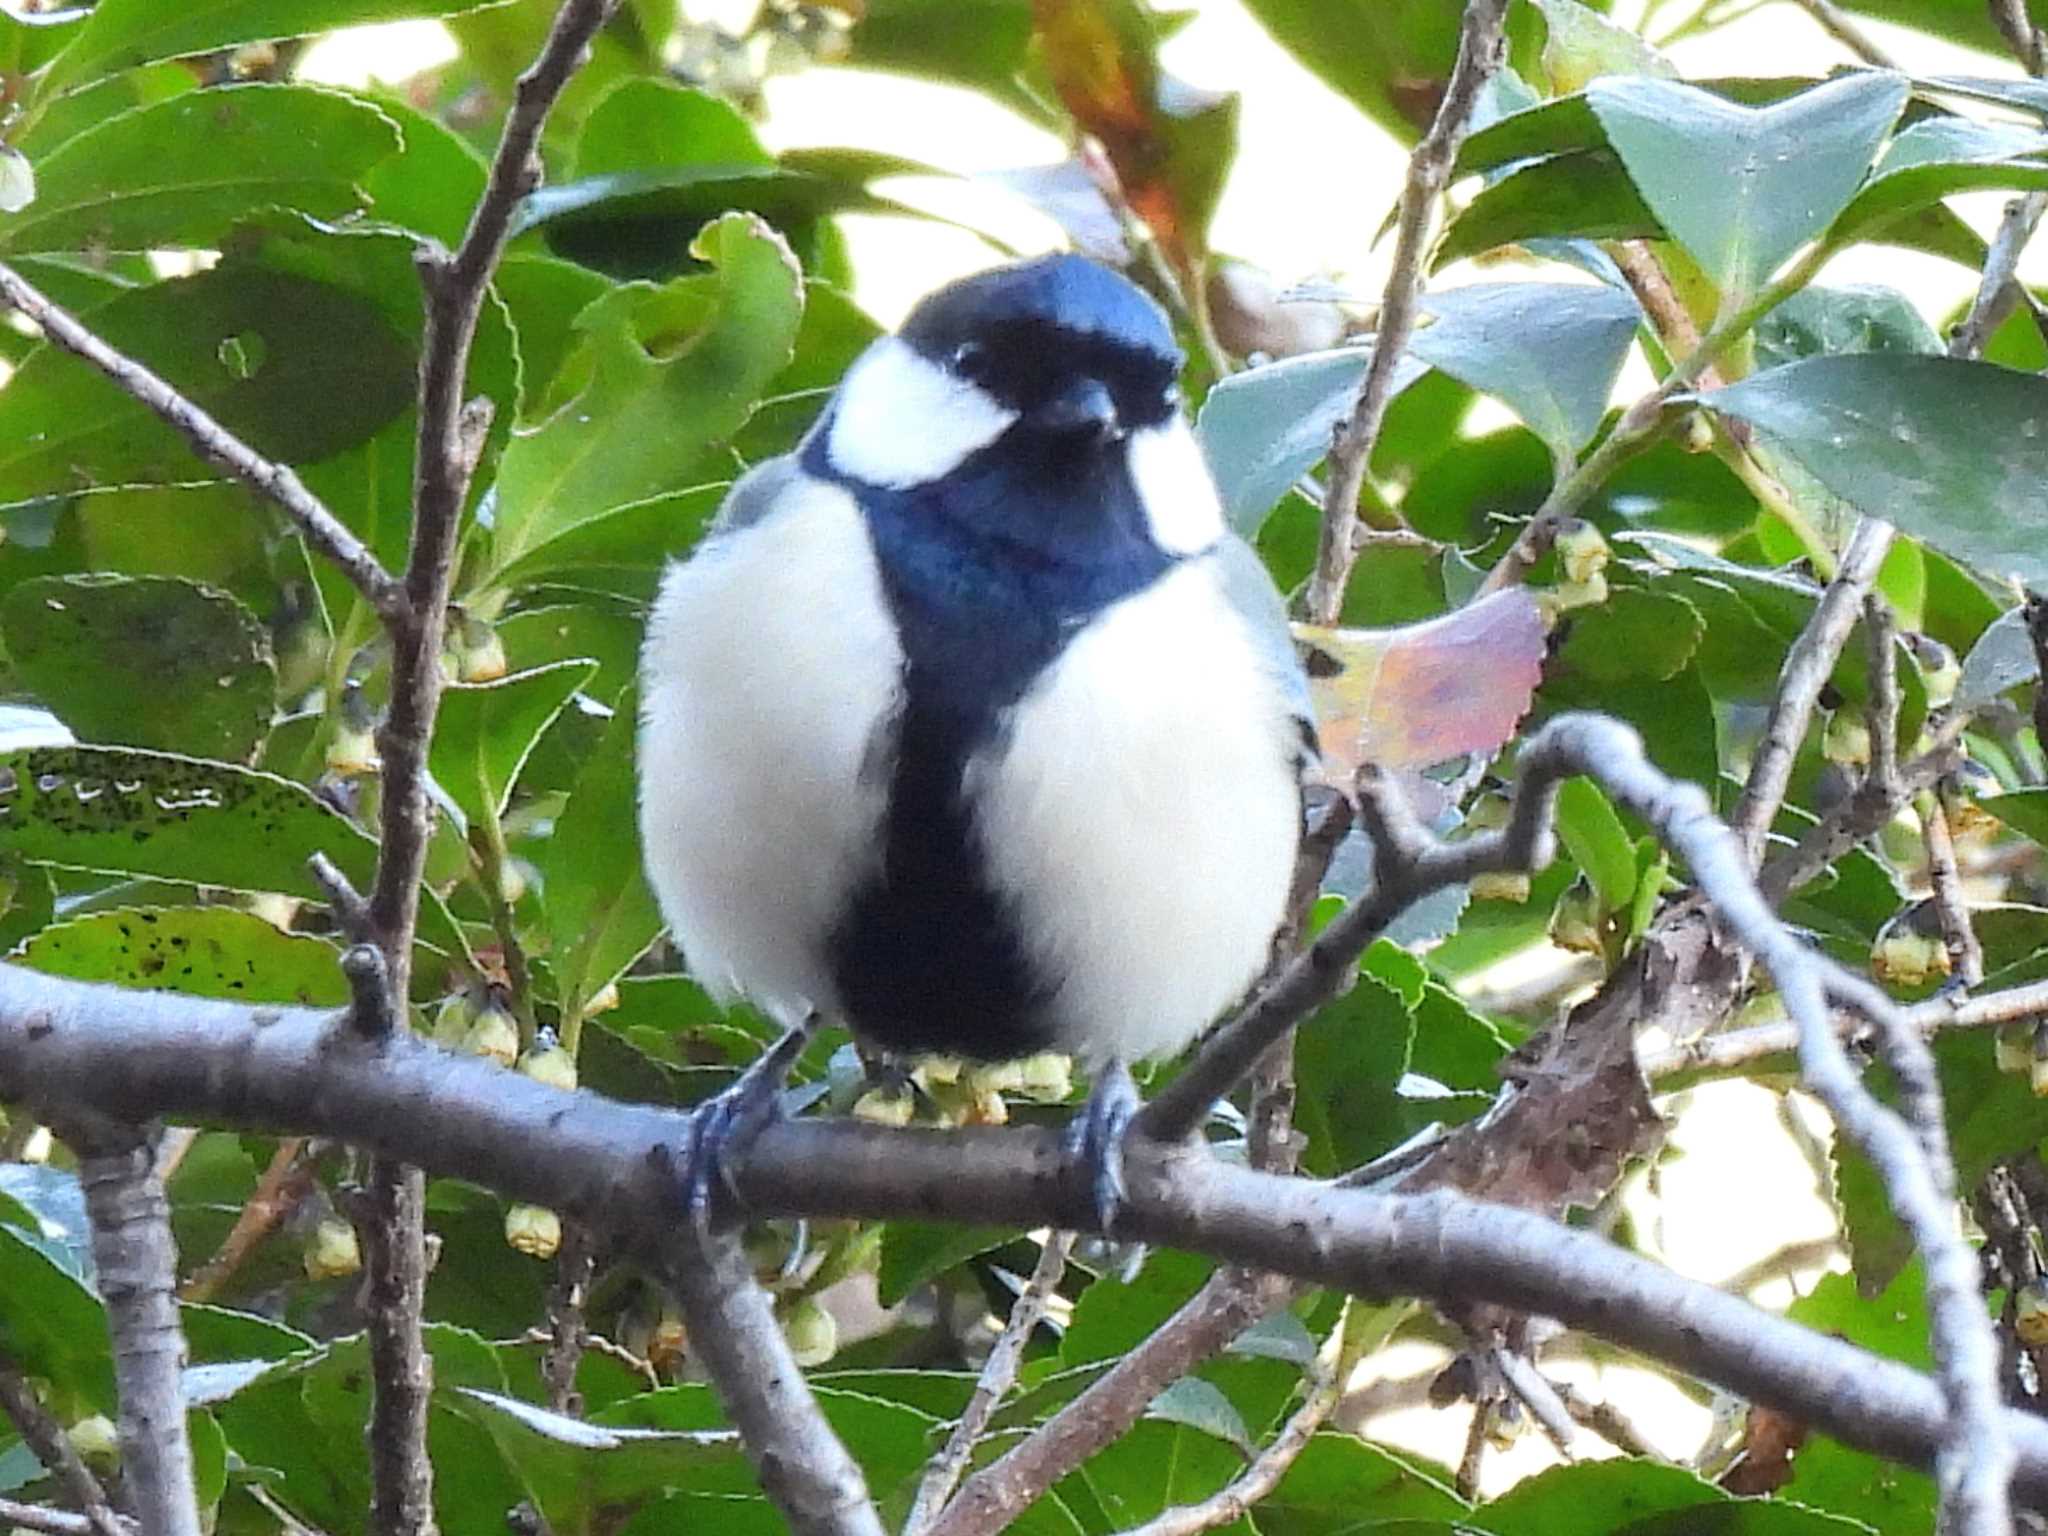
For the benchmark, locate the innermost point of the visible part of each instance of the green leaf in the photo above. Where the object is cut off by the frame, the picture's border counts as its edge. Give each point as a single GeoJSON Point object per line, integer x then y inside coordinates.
{"type": "Point", "coordinates": [1742, 188]}
{"type": "Point", "coordinates": [144, 661]}
{"type": "Point", "coordinates": [1390, 58]}
{"type": "Point", "coordinates": [1635, 634]}
{"type": "Point", "coordinates": [1953, 452]}
{"type": "Point", "coordinates": [166, 817]}
{"type": "Point", "coordinates": [1263, 429]}
{"type": "Point", "coordinates": [1595, 1498]}
{"type": "Point", "coordinates": [1591, 830]}
{"type": "Point", "coordinates": [1339, 1475]}
{"type": "Point", "coordinates": [601, 913]}
{"type": "Point", "coordinates": [204, 951]}
{"type": "Point", "coordinates": [180, 172]}
{"type": "Point", "coordinates": [659, 378]}
{"type": "Point", "coordinates": [2003, 657]}
{"type": "Point", "coordinates": [543, 297]}
{"type": "Point", "coordinates": [645, 124]}
{"type": "Point", "coordinates": [1549, 351]}
{"type": "Point", "coordinates": [914, 1252]}
{"type": "Point", "coordinates": [432, 183]}
{"type": "Point", "coordinates": [232, 340]}
{"type": "Point", "coordinates": [1817, 321]}
{"type": "Point", "coordinates": [983, 44]}
{"type": "Point", "coordinates": [53, 1327]}
{"type": "Point", "coordinates": [608, 633]}
{"type": "Point", "coordinates": [487, 730]}
{"type": "Point", "coordinates": [1349, 1059]}
{"type": "Point", "coordinates": [1197, 1404]}
{"type": "Point", "coordinates": [1937, 158]}
{"type": "Point", "coordinates": [1582, 46]}
{"type": "Point", "coordinates": [2024, 810]}
{"type": "Point", "coordinates": [123, 33]}
{"type": "Point", "coordinates": [623, 551]}
{"type": "Point", "coordinates": [1586, 195]}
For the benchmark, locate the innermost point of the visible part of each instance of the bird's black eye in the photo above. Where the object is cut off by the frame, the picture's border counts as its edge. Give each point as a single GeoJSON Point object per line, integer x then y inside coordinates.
{"type": "Point", "coordinates": [970, 360]}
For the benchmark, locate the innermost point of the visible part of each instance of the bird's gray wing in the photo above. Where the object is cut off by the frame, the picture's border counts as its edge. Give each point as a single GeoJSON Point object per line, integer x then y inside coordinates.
{"type": "Point", "coordinates": [1250, 590]}
{"type": "Point", "coordinates": [754, 495]}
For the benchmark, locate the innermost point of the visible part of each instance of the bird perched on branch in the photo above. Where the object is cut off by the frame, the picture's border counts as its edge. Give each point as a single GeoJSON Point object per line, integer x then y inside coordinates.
{"type": "Point", "coordinates": [970, 725]}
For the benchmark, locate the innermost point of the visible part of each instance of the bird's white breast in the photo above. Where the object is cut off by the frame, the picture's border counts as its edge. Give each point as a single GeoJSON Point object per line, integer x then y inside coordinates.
{"type": "Point", "coordinates": [1141, 811]}
{"type": "Point", "coordinates": [770, 662]}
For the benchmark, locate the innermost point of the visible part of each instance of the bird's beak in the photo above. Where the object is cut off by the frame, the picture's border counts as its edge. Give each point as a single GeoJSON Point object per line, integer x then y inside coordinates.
{"type": "Point", "coordinates": [1085, 408]}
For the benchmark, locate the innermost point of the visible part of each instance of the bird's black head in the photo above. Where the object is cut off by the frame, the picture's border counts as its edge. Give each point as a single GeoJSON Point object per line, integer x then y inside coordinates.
{"type": "Point", "coordinates": [1072, 348]}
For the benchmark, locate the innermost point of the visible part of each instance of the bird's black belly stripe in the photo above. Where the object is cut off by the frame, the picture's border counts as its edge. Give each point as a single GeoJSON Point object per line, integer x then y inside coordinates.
{"type": "Point", "coordinates": [927, 956]}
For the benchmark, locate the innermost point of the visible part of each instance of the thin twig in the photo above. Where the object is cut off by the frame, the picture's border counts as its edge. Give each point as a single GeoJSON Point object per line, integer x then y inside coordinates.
{"type": "Point", "coordinates": [285, 1182]}
{"type": "Point", "coordinates": [2028, 43]}
{"type": "Point", "coordinates": [1540, 1398]}
{"type": "Point", "coordinates": [351, 911]}
{"type": "Point", "coordinates": [1862, 815]}
{"type": "Point", "coordinates": [1806, 670]}
{"type": "Point", "coordinates": [1836, 23]}
{"type": "Point", "coordinates": [1480, 50]}
{"type": "Point", "coordinates": [2000, 291]}
{"type": "Point", "coordinates": [1477, 1438]}
{"type": "Point", "coordinates": [575, 1265]}
{"type": "Point", "coordinates": [373, 1009]}
{"type": "Point", "coordinates": [1945, 885]}
{"type": "Point", "coordinates": [214, 443]}
{"type": "Point", "coordinates": [1881, 706]}
{"type": "Point", "coordinates": [47, 1442]}
{"type": "Point", "coordinates": [445, 459]}
{"type": "Point", "coordinates": [137, 1264]}
{"type": "Point", "coordinates": [61, 1522]}
{"type": "Point", "coordinates": [805, 1471]}
{"type": "Point", "coordinates": [1235, 1499]}
{"type": "Point", "coordinates": [1606, 1421]}
{"type": "Point", "coordinates": [998, 1374]}
{"type": "Point", "coordinates": [1227, 1304]}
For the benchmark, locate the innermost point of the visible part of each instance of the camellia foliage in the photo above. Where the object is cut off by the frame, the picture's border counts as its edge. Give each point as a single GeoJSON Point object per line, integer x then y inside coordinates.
{"type": "Point", "coordinates": [675, 304]}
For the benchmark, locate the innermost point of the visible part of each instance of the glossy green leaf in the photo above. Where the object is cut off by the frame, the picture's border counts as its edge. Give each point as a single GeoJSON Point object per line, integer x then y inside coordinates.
{"type": "Point", "coordinates": [659, 377]}
{"type": "Point", "coordinates": [1587, 196]}
{"type": "Point", "coordinates": [1337, 1475]}
{"type": "Point", "coordinates": [624, 550]}
{"type": "Point", "coordinates": [2024, 810]}
{"type": "Point", "coordinates": [983, 44]}
{"type": "Point", "coordinates": [487, 730]}
{"type": "Point", "coordinates": [165, 817]}
{"type": "Point", "coordinates": [432, 183]}
{"type": "Point", "coordinates": [1390, 58]}
{"type": "Point", "coordinates": [1590, 828]}
{"type": "Point", "coordinates": [232, 340]}
{"type": "Point", "coordinates": [1582, 46]}
{"type": "Point", "coordinates": [1263, 429]}
{"type": "Point", "coordinates": [204, 951]}
{"type": "Point", "coordinates": [543, 296]}
{"type": "Point", "coordinates": [1742, 188]}
{"type": "Point", "coordinates": [144, 661]}
{"type": "Point", "coordinates": [54, 1328]}
{"type": "Point", "coordinates": [180, 173]}
{"type": "Point", "coordinates": [601, 912]}
{"type": "Point", "coordinates": [648, 124]}
{"type": "Point", "coordinates": [914, 1252]}
{"type": "Point", "coordinates": [123, 33]}
{"type": "Point", "coordinates": [1549, 351]}
{"type": "Point", "coordinates": [1954, 452]}
{"type": "Point", "coordinates": [2002, 658]}
{"type": "Point", "coordinates": [1349, 1058]}
{"type": "Point", "coordinates": [1938, 158]}
{"type": "Point", "coordinates": [1817, 321]}
{"type": "Point", "coordinates": [1635, 634]}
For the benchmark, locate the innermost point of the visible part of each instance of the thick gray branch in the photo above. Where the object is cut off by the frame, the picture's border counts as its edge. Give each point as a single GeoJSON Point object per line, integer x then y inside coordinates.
{"type": "Point", "coordinates": [291, 1070]}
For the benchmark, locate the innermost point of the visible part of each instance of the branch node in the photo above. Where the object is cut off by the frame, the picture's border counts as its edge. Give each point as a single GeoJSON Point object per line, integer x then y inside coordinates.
{"type": "Point", "coordinates": [373, 1010]}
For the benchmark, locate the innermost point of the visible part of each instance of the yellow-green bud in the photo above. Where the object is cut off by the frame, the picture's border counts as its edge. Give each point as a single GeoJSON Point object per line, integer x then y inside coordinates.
{"type": "Point", "coordinates": [1582, 552]}
{"type": "Point", "coordinates": [812, 1332]}
{"type": "Point", "coordinates": [1846, 739]}
{"type": "Point", "coordinates": [351, 751]}
{"type": "Point", "coordinates": [332, 1250]}
{"type": "Point", "coordinates": [1908, 959]}
{"type": "Point", "coordinates": [549, 1064]}
{"type": "Point", "coordinates": [1501, 885]}
{"type": "Point", "coordinates": [603, 1000]}
{"type": "Point", "coordinates": [494, 1034]}
{"type": "Point", "coordinates": [886, 1106]}
{"type": "Point", "coordinates": [534, 1230]}
{"type": "Point", "coordinates": [2015, 1048]}
{"type": "Point", "coordinates": [452, 1021]}
{"type": "Point", "coordinates": [478, 652]}
{"type": "Point", "coordinates": [94, 1438]}
{"type": "Point", "coordinates": [1575, 921]}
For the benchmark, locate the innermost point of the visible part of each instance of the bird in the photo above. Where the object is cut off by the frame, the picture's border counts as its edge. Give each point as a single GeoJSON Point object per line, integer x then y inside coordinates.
{"type": "Point", "coordinates": [969, 724]}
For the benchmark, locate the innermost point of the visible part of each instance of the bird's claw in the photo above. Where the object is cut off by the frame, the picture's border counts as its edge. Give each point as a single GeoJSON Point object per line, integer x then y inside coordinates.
{"type": "Point", "coordinates": [724, 1126]}
{"type": "Point", "coordinates": [1095, 1142]}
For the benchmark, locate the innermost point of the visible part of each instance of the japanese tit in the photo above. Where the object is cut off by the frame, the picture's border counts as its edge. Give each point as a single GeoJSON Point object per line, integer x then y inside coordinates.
{"type": "Point", "coordinates": [970, 725]}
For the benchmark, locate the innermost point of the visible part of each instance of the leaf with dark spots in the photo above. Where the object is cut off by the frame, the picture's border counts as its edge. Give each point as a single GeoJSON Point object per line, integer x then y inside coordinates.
{"type": "Point", "coordinates": [161, 816]}
{"type": "Point", "coordinates": [205, 951]}
{"type": "Point", "coordinates": [144, 661]}
{"type": "Point", "coordinates": [1425, 693]}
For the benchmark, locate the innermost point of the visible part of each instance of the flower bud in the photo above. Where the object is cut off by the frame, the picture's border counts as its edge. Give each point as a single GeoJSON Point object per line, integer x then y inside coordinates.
{"type": "Point", "coordinates": [332, 1250]}
{"type": "Point", "coordinates": [534, 1230]}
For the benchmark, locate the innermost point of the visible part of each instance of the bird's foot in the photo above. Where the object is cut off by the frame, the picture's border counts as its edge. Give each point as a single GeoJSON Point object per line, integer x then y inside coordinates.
{"type": "Point", "coordinates": [722, 1127]}
{"type": "Point", "coordinates": [1095, 1141]}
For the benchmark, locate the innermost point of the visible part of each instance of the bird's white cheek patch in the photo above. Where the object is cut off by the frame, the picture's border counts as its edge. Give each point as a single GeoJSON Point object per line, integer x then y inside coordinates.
{"type": "Point", "coordinates": [1175, 488]}
{"type": "Point", "coordinates": [902, 420]}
